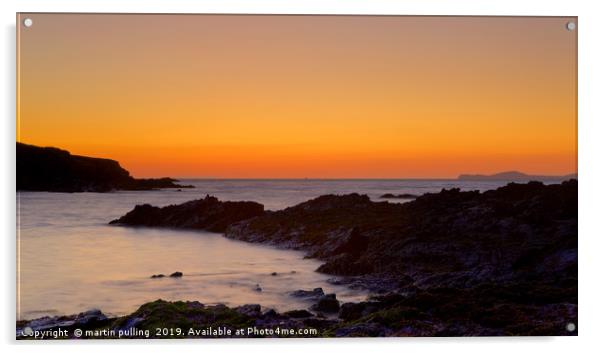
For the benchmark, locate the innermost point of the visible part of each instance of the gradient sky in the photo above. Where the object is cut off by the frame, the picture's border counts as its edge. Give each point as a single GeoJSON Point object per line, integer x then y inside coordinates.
{"type": "Point", "coordinates": [302, 96]}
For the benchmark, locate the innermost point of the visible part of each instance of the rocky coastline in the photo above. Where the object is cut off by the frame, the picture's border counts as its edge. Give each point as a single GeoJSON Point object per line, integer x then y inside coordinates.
{"type": "Point", "coordinates": [207, 214]}
{"type": "Point", "coordinates": [453, 263]}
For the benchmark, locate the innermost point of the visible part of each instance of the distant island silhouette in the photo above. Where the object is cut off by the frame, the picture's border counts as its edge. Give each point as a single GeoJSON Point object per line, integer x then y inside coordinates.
{"type": "Point", "coordinates": [516, 176]}
{"type": "Point", "coordinates": [56, 170]}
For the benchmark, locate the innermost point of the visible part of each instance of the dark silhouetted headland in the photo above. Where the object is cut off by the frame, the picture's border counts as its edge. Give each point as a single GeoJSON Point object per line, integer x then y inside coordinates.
{"type": "Point", "coordinates": [53, 169]}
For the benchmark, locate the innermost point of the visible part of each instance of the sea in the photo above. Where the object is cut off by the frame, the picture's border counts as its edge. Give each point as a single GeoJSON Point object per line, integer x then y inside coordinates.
{"type": "Point", "coordinates": [70, 260]}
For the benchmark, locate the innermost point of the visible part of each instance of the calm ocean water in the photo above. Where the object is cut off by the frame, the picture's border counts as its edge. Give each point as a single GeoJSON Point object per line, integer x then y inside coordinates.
{"type": "Point", "coordinates": [70, 260]}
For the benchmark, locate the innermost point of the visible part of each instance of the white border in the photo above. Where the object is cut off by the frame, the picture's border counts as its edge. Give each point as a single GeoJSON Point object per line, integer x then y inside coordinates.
{"type": "Point", "coordinates": [590, 94]}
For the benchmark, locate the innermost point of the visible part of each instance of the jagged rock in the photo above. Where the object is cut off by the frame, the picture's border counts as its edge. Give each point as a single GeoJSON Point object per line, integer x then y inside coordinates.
{"type": "Point", "coordinates": [319, 323]}
{"type": "Point", "coordinates": [272, 313]}
{"type": "Point", "coordinates": [208, 214]}
{"type": "Point", "coordinates": [89, 319]}
{"type": "Point", "coordinates": [451, 238]}
{"type": "Point", "coordinates": [160, 275]}
{"type": "Point", "coordinates": [298, 314]}
{"type": "Point", "coordinates": [487, 310]}
{"type": "Point", "coordinates": [89, 316]}
{"type": "Point", "coordinates": [183, 315]}
{"type": "Point", "coordinates": [327, 303]}
{"type": "Point", "coordinates": [313, 294]}
{"type": "Point", "coordinates": [252, 310]}
{"type": "Point", "coordinates": [354, 311]}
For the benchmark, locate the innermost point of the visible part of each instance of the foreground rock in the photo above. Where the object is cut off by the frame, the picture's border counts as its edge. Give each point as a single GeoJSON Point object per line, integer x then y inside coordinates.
{"type": "Point", "coordinates": [313, 294]}
{"type": "Point", "coordinates": [53, 169]}
{"type": "Point", "coordinates": [484, 310]}
{"type": "Point", "coordinates": [501, 262]}
{"type": "Point", "coordinates": [327, 304]}
{"type": "Point", "coordinates": [91, 319]}
{"type": "Point", "coordinates": [162, 319]}
{"type": "Point", "coordinates": [207, 214]}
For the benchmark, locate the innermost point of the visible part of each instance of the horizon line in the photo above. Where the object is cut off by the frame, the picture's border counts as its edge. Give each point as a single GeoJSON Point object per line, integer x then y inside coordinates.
{"type": "Point", "coordinates": [352, 179]}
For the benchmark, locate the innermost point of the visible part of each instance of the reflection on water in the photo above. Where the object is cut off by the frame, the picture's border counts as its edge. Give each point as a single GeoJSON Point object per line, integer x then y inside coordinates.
{"type": "Point", "coordinates": [109, 268]}
{"type": "Point", "coordinates": [70, 260]}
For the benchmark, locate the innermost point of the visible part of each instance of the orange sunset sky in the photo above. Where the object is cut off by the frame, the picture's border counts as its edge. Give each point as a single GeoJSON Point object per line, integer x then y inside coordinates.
{"type": "Point", "coordinates": [302, 96]}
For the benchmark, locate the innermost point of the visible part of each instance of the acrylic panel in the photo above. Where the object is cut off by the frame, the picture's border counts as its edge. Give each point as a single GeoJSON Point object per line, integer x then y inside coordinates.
{"type": "Point", "coordinates": [247, 176]}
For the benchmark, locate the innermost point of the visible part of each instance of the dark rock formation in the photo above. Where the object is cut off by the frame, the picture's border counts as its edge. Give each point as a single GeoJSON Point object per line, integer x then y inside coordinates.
{"type": "Point", "coordinates": [354, 311]}
{"type": "Point", "coordinates": [160, 275]}
{"type": "Point", "coordinates": [187, 315]}
{"type": "Point", "coordinates": [52, 169]}
{"type": "Point", "coordinates": [252, 310]}
{"type": "Point", "coordinates": [90, 319]}
{"type": "Point", "coordinates": [501, 262]}
{"type": "Point", "coordinates": [176, 274]}
{"type": "Point", "coordinates": [452, 238]}
{"type": "Point", "coordinates": [327, 303]}
{"type": "Point", "coordinates": [313, 294]}
{"type": "Point", "coordinates": [484, 310]}
{"type": "Point", "coordinates": [207, 214]}
{"type": "Point", "coordinates": [487, 310]}
{"type": "Point", "coordinates": [191, 320]}
{"type": "Point", "coordinates": [399, 196]}
{"type": "Point", "coordinates": [298, 314]}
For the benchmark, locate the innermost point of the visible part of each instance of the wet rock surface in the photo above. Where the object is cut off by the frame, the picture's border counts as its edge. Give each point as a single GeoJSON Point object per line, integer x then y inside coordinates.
{"type": "Point", "coordinates": [313, 294]}
{"type": "Point", "coordinates": [90, 319]}
{"type": "Point", "coordinates": [327, 304]}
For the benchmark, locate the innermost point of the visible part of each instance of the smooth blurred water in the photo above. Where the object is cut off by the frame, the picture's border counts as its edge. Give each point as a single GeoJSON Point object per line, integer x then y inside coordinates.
{"type": "Point", "coordinates": [70, 260]}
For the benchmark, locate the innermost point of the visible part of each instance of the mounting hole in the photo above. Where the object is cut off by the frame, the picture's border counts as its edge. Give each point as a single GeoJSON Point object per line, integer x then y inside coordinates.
{"type": "Point", "coordinates": [570, 26]}
{"type": "Point", "coordinates": [28, 22]}
{"type": "Point", "coordinates": [570, 327]}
